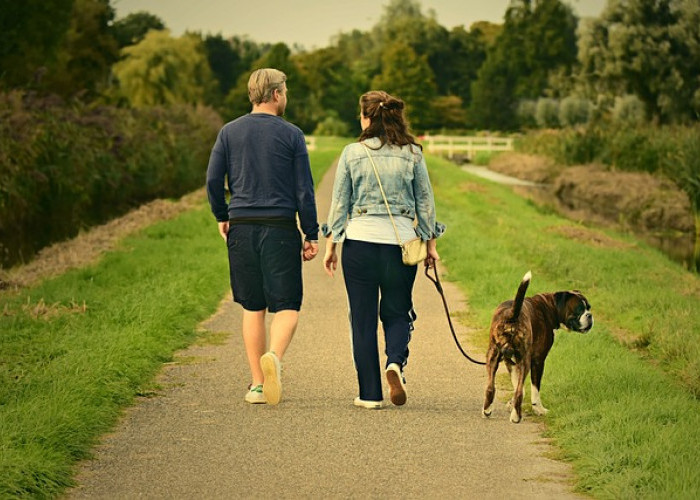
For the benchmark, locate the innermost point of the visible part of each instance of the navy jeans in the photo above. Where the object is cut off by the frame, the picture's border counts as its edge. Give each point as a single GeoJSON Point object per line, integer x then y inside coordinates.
{"type": "Point", "coordinates": [371, 269]}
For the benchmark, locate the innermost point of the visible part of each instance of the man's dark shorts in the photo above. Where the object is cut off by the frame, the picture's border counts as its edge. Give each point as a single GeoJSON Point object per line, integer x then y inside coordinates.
{"type": "Point", "coordinates": [265, 267]}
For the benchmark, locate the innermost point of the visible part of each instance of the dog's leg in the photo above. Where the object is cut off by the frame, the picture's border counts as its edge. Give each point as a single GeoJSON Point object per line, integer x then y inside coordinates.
{"type": "Point", "coordinates": [522, 369]}
{"type": "Point", "coordinates": [513, 370]}
{"type": "Point", "coordinates": [492, 358]}
{"type": "Point", "coordinates": [536, 379]}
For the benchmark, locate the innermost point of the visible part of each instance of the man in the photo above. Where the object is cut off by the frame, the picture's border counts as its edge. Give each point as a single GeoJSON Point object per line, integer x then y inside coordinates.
{"type": "Point", "coordinates": [265, 162]}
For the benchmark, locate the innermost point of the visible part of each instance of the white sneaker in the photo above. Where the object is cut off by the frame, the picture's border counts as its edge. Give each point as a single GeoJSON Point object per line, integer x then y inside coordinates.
{"type": "Point", "coordinates": [370, 405]}
{"type": "Point", "coordinates": [397, 384]}
{"type": "Point", "coordinates": [255, 394]}
{"type": "Point", "coordinates": [272, 385]}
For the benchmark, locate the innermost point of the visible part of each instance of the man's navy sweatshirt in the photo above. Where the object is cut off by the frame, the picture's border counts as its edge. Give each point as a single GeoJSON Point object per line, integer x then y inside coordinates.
{"type": "Point", "coordinates": [264, 159]}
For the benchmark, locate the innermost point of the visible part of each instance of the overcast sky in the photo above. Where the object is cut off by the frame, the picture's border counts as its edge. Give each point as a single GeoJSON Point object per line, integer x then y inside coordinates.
{"type": "Point", "coordinates": [311, 23]}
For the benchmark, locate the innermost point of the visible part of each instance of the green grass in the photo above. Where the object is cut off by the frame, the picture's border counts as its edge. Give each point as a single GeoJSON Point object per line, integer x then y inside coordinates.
{"type": "Point", "coordinates": [327, 150]}
{"type": "Point", "coordinates": [64, 377]}
{"type": "Point", "coordinates": [76, 349]}
{"type": "Point", "coordinates": [626, 417]}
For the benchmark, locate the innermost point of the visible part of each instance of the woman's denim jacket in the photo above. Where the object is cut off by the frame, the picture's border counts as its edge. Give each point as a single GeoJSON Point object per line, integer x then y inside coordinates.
{"type": "Point", "coordinates": [404, 177]}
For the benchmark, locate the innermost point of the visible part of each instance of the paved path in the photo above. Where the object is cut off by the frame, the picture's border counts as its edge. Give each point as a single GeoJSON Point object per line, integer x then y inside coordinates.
{"type": "Point", "coordinates": [198, 439]}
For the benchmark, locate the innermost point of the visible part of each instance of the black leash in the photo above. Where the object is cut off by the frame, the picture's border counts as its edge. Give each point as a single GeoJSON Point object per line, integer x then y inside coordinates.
{"type": "Point", "coordinates": [436, 282]}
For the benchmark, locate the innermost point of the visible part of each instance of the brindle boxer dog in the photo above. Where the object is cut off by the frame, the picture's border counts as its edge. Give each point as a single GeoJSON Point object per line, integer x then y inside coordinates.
{"type": "Point", "coordinates": [522, 332]}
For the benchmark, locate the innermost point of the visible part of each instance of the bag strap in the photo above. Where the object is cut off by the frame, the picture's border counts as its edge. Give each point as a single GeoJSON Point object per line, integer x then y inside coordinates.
{"type": "Point", "coordinates": [379, 181]}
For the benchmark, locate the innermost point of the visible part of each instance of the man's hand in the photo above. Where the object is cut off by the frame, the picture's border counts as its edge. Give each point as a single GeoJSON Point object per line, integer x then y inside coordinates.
{"type": "Point", "coordinates": [223, 230]}
{"type": "Point", "coordinates": [310, 250]}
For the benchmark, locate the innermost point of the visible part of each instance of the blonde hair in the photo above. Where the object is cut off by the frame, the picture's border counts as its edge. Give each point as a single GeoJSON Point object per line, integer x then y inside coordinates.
{"type": "Point", "coordinates": [263, 82]}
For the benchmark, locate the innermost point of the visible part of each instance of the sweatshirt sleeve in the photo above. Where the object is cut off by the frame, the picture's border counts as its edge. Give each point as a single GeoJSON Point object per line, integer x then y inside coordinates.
{"type": "Point", "coordinates": [306, 199]}
{"type": "Point", "coordinates": [216, 178]}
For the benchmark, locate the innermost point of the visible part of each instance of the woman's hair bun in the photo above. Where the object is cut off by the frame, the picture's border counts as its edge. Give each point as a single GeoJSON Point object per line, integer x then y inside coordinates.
{"type": "Point", "coordinates": [393, 104]}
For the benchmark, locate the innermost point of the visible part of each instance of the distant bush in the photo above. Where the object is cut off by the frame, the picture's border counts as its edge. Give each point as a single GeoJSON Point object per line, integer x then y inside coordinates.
{"type": "Point", "coordinates": [332, 125]}
{"type": "Point", "coordinates": [629, 110]}
{"type": "Point", "coordinates": [574, 111]}
{"type": "Point", "coordinates": [67, 166]}
{"type": "Point", "coordinates": [547, 113]}
{"type": "Point", "coordinates": [526, 113]}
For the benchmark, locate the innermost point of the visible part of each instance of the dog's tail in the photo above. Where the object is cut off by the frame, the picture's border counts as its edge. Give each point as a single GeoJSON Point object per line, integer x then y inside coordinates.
{"type": "Point", "coordinates": [520, 296]}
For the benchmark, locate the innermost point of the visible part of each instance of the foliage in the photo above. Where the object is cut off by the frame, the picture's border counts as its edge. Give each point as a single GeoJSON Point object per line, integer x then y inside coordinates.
{"type": "Point", "coordinates": [547, 112]}
{"type": "Point", "coordinates": [535, 44]}
{"type": "Point", "coordinates": [66, 166]}
{"type": "Point", "coordinates": [131, 29]}
{"type": "Point", "coordinates": [574, 111]}
{"type": "Point", "coordinates": [332, 125]}
{"type": "Point", "coordinates": [162, 70]}
{"type": "Point", "coordinates": [63, 47]}
{"type": "Point", "coordinates": [407, 75]}
{"type": "Point", "coordinates": [629, 110]}
{"type": "Point", "coordinates": [648, 48]}
{"type": "Point", "coordinates": [32, 31]}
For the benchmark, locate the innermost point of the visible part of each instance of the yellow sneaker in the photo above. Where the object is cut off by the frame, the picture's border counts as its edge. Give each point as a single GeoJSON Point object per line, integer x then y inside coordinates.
{"type": "Point", "coordinates": [272, 385]}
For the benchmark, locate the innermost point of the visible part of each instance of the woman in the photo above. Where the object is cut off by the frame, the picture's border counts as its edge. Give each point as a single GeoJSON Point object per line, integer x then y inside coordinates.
{"type": "Point", "coordinates": [371, 256]}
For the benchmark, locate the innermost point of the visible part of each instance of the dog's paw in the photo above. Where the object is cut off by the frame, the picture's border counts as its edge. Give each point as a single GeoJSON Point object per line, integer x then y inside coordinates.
{"type": "Point", "coordinates": [514, 417]}
{"type": "Point", "coordinates": [486, 412]}
{"type": "Point", "coordinates": [539, 409]}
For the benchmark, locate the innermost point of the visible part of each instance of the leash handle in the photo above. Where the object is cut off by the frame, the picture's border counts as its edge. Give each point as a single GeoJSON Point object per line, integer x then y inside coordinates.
{"type": "Point", "coordinates": [438, 285]}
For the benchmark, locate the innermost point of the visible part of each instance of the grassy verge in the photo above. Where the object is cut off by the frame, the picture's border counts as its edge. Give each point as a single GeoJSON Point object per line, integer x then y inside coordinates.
{"type": "Point", "coordinates": [76, 349]}
{"type": "Point", "coordinates": [630, 427]}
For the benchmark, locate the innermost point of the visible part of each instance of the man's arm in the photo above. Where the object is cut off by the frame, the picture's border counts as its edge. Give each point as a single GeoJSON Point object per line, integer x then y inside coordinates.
{"type": "Point", "coordinates": [216, 192]}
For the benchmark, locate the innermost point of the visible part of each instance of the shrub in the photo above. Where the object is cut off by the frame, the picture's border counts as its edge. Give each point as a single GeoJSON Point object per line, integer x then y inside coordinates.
{"type": "Point", "coordinates": [332, 125]}
{"type": "Point", "coordinates": [629, 110]}
{"type": "Point", "coordinates": [574, 111]}
{"type": "Point", "coordinates": [66, 166]}
{"type": "Point", "coordinates": [547, 113]}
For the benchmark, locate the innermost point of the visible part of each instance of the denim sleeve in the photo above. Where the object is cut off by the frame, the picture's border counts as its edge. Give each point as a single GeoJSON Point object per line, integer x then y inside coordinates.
{"type": "Point", "coordinates": [216, 178]}
{"type": "Point", "coordinates": [306, 199]}
{"type": "Point", "coordinates": [428, 228]}
{"type": "Point", "coordinates": [340, 202]}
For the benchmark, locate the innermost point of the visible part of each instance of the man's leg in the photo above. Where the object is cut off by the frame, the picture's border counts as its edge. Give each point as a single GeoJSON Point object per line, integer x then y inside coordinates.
{"type": "Point", "coordinates": [255, 340]}
{"type": "Point", "coordinates": [282, 329]}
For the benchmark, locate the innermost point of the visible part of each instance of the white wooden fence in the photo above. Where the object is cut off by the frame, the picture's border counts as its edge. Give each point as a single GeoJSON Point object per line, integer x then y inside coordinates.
{"type": "Point", "coordinates": [310, 143]}
{"type": "Point", "coordinates": [465, 144]}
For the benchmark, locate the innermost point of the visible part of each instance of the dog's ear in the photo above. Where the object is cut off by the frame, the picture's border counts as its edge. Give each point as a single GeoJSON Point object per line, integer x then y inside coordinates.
{"type": "Point", "coordinates": [560, 299]}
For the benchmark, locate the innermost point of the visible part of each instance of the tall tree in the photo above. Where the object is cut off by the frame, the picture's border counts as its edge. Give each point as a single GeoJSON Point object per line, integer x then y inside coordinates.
{"type": "Point", "coordinates": [131, 29]}
{"type": "Point", "coordinates": [407, 75]}
{"type": "Point", "coordinates": [32, 31]}
{"type": "Point", "coordinates": [162, 70]}
{"type": "Point", "coordinates": [224, 62]}
{"type": "Point", "coordinates": [537, 43]}
{"type": "Point", "coordinates": [87, 52]}
{"type": "Point", "coordinates": [648, 48]}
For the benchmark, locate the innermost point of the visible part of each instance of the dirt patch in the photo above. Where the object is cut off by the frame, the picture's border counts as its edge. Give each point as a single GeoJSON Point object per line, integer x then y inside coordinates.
{"type": "Point", "coordinates": [533, 168]}
{"type": "Point", "coordinates": [87, 247]}
{"type": "Point", "coordinates": [637, 200]}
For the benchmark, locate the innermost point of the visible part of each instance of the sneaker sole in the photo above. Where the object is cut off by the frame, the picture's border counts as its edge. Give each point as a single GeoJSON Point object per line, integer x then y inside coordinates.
{"type": "Point", "coordinates": [370, 405]}
{"type": "Point", "coordinates": [397, 393]}
{"type": "Point", "coordinates": [272, 388]}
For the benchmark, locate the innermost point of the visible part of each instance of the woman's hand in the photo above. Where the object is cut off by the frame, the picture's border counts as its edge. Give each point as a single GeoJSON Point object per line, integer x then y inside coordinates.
{"type": "Point", "coordinates": [433, 255]}
{"type": "Point", "coordinates": [330, 259]}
